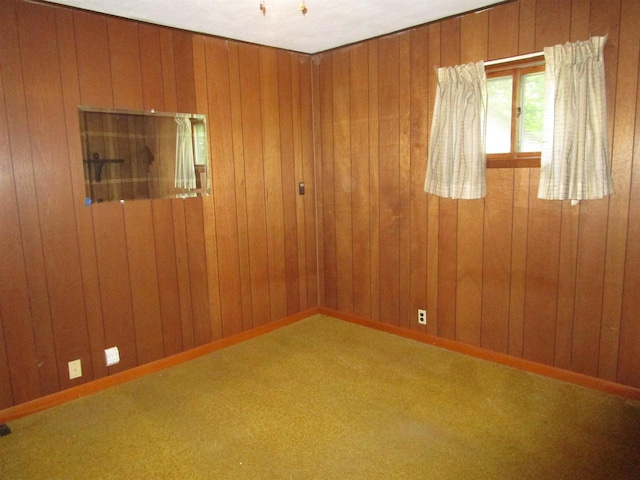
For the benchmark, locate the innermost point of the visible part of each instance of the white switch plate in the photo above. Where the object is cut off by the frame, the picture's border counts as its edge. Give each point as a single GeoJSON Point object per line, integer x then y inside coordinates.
{"type": "Point", "coordinates": [112, 356]}
{"type": "Point", "coordinates": [75, 369]}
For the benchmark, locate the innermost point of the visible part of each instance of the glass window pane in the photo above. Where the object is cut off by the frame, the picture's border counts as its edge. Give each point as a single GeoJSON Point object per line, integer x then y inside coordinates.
{"type": "Point", "coordinates": [532, 112]}
{"type": "Point", "coordinates": [499, 91]}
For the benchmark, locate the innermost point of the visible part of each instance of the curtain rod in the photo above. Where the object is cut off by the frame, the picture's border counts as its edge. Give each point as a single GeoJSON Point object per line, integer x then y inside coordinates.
{"type": "Point", "coordinates": [513, 59]}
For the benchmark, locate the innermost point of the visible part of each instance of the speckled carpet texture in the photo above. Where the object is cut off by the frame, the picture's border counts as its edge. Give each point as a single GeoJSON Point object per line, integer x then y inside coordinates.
{"type": "Point", "coordinates": [326, 399]}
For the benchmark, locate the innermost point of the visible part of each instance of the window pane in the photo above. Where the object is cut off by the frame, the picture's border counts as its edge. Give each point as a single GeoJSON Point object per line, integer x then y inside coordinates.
{"type": "Point", "coordinates": [532, 112]}
{"type": "Point", "coordinates": [499, 90]}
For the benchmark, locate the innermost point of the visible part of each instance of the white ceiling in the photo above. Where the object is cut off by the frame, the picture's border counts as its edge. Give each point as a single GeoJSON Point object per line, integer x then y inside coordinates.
{"type": "Point", "coordinates": [327, 24]}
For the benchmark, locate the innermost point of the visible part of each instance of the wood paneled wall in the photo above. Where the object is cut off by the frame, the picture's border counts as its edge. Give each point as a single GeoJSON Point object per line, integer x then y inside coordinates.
{"type": "Point", "coordinates": [152, 277]}
{"type": "Point", "coordinates": [544, 280]}
{"type": "Point", "coordinates": [541, 280]}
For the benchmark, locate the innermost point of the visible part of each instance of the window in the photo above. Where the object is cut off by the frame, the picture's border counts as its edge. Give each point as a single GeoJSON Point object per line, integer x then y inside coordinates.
{"type": "Point", "coordinates": [515, 114]}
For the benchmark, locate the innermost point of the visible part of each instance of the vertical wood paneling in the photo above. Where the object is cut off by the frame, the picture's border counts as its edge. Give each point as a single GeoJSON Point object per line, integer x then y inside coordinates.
{"type": "Point", "coordinates": [628, 365]}
{"type": "Point", "coordinates": [543, 239]}
{"type": "Point", "coordinates": [325, 66]}
{"type": "Point", "coordinates": [521, 186]}
{"type": "Point", "coordinates": [309, 272]}
{"type": "Point", "coordinates": [197, 264]}
{"type": "Point", "coordinates": [83, 215]}
{"type": "Point", "coordinates": [543, 245]}
{"type": "Point", "coordinates": [592, 235]}
{"type": "Point", "coordinates": [569, 228]}
{"type": "Point", "coordinates": [168, 71]}
{"type": "Point", "coordinates": [404, 178]}
{"type": "Point", "coordinates": [143, 274]}
{"type": "Point", "coordinates": [274, 203]}
{"type": "Point", "coordinates": [42, 84]}
{"type": "Point", "coordinates": [389, 177]}
{"type": "Point", "coordinates": [626, 103]}
{"type": "Point", "coordinates": [6, 396]}
{"type": "Point", "coordinates": [151, 67]}
{"type": "Point", "coordinates": [503, 31]}
{"type": "Point", "coordinates": [317, 174]}
{"type": "Point", "coordinates": [374, 183]}
{"type": "Point", "coordinates": [553, 22]}
{"type": "Point", "coordinates": [580, 11]}
{"type": "Point", "coordinates": [496, 258]}
{"type": "Point", "coordinates": [223, 190]}
{"type": "Point", "coordinates": [289, 181]}
{"type": "Point", "coordinates": [254, 175]}
{"type": "Point", "coordinates": [473, 47]}
{"type": "Point", "coordinates": [418, 155]}
{"type": "Point", "coordinates": [7, 197]}
{"type": "Point", "coordinates": [19, 347]}
{"type": "Point", "coordinates": [145, 303]}
{"type": "Point", "coordinates": [299, 173]}
{"type": "Point", "coordinates": [433, 201]}
{"type": "Point", "coordinates": [570, 220]}
{"type": "Point", "coordinates": [124, 53]}
{"type": "Point", "coordinates": [498, 214]}
{"type": "Point", "coordinates": [344, 183]}
{"type": "Point", "coordinates": [30, 294]}
{"type": "Point", "coordinates": [184, 72]}
{"type": "Point", "coordinates": [182, 266]}
{"type": "Point", "coordinates": [239, 176]}
{"type": "Point", "coordinates": [359, 142]}
{"type": "Point", "coordinates": [212, 270]}
{"type": "Point", "coordinates": [167, 276]}
{"type": "Point", "coordinates": [448, 209]}
{"type": "Point", "coordinates": [115, 287]}
{"type": "Point", "coordinates": [94, 67]}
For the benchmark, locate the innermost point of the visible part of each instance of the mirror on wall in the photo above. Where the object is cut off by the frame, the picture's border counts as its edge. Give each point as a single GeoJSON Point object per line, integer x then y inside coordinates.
{"type": "Point", "coordinates": [129, 155]}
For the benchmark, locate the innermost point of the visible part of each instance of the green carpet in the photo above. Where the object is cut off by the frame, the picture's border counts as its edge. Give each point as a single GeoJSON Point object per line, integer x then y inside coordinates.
{"type": "Point", "coordinates": [325, 399]}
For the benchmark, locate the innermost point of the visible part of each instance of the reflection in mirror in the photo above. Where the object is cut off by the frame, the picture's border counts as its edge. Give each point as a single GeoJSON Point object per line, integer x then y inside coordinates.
{"type": "Point", "coordinates": [130, 155]}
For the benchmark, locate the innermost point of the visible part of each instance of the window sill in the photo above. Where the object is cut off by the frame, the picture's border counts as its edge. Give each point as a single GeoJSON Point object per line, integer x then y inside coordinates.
{"type": "Point", "coordinates": [511, 162]}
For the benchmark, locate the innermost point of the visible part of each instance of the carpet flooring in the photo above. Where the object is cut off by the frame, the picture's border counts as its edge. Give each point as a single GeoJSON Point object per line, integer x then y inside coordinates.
{"type": "Point", "coordinates": [326, 399]}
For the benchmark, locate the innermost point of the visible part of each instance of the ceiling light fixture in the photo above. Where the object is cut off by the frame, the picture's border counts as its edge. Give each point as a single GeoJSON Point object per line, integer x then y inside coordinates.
{"type": "Point", "coordinates": [263, 7]}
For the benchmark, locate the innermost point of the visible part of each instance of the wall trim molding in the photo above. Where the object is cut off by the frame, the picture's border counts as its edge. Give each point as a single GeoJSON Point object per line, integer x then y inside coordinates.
{"type": "Point", "coordinates": [58, 398]}
{"type": "Point", "coordinates": [556, 373]}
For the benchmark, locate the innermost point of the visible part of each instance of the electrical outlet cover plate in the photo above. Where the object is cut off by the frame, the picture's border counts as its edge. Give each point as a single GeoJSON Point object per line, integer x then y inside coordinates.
{"type": "Point", "coordinates": [112, 356]}
{"type": "Point", "coordinates": [422, 317]}
{"type": "Point", "coordinates": [75, 369]}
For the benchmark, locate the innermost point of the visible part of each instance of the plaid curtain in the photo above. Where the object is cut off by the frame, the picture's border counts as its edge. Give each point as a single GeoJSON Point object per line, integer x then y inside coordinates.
{"type": "Point", "coordinates": [456, 166]}
{"type": "Point", "coordinates": [575, 147]}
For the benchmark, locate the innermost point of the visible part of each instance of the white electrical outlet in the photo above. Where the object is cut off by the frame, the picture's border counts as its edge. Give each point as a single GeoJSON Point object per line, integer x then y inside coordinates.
{"type": "Point", "coordinates": [422, 317]}
{"type": "Point", "coordinates": [112, 356]}
{"type": "Point", "coordinates": [75, 369]}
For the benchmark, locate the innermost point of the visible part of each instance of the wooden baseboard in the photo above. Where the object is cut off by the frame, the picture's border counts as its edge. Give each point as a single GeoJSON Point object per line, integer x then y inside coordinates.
{"type": "Point", "coordinates": [503, 359]}
{"type": "Point", "coordinates": [94, 386]}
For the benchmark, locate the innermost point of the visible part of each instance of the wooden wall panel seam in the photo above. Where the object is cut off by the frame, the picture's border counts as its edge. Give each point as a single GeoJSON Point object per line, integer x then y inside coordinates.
{"type": "Point", "coordinates": [317, 181]}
